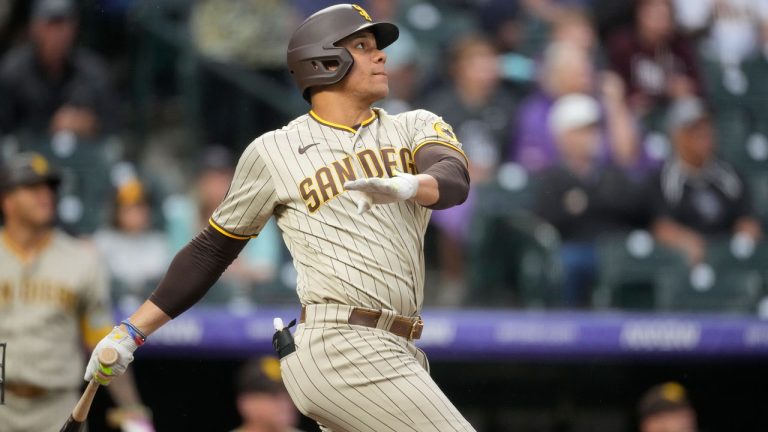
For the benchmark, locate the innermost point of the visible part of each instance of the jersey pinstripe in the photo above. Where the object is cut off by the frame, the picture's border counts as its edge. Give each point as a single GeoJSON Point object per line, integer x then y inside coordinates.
{"type": "Point", "coordinates": [352, 378]}
{"type": "Point", "coordinates": [374, 260]}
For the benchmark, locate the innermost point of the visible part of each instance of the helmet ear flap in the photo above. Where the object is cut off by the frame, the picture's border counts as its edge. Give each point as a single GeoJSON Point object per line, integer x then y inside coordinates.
{"type": "Point", "coordinates": [317, 71]}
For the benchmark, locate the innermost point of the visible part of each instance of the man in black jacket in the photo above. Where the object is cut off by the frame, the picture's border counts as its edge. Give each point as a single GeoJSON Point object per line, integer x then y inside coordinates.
{"type": "Point", "coordinates": [581, 196]}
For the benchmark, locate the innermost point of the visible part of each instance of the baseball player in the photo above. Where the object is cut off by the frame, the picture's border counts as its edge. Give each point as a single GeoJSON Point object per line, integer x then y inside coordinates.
{"type": "Point", "coordinates": [53, 298]}
{"type": "Point", "coordinates": [352, 189]}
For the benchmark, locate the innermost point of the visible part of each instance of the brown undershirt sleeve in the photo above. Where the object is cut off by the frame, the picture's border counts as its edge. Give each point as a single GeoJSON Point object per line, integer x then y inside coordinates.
{"type": "Point", "coordinates": [449, 168]}
{"type": "Point", "coordinates": [194, 270]}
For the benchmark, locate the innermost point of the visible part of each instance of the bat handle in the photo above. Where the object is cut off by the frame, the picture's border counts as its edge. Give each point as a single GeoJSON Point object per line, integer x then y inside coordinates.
{"type": "Point", "coordinates": [107, 357]}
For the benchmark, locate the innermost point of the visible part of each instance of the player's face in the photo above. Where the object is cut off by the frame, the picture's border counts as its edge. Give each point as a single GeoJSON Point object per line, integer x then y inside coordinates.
{"type": "Point", "coordinates": [367, 79]}
{"type": "Point", "coordinates": [31, 205]}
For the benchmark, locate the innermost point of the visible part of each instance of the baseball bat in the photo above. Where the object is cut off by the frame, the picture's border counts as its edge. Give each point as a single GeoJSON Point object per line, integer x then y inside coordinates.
{"type": "Point", "coordinates": [107, 357]}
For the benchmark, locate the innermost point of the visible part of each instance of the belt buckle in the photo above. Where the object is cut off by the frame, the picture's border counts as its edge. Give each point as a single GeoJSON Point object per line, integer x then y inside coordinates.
{"type": "Point", "coordinates": [413, 327]}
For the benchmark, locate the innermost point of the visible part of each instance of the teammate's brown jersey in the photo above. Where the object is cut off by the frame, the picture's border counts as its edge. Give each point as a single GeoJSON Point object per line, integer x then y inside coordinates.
{"type": "Point", "coordinates": [374, 260]}
{"type": "Point", "coordinates": [49, 306]}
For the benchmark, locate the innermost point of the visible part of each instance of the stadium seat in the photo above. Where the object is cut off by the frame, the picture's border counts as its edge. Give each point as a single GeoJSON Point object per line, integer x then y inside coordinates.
{"type": "Point", "coordinates": [705, 289]}
{"type": "Point", "coordinates": [628, 267]}
{"type": "Point", "coordinates": [513, 260]}
{"type": "Point", "coordinates": [724, 254]}
{"type": "Point", "coordinates": [758, 183]}
{"type": "Point", "coordinates": [509, 195]}
{"type": "Point", "coordinates": [732, 129]}
{"type": "Point", "coordinates": [756, 69]}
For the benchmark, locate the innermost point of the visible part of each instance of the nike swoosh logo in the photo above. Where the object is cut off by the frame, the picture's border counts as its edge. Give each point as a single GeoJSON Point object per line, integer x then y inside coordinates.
{"type": "Point", "coordinates": [303, 149]}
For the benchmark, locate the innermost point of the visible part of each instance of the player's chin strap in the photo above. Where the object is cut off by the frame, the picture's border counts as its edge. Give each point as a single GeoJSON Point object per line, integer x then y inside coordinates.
{"type": "Point", "coordinates": [282, 340]}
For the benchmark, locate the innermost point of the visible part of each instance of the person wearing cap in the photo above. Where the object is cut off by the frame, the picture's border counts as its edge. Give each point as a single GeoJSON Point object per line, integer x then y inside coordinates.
{"type": "Point", "coordinates": [262, 401]}
{"type": "Point", "coordinates": [582, 196]}
{"type": "Point", "coordinates": [49, 84]}
{"type": "Point", "coordinates": [54, 300]}
{"type": "Point", "coordinates": [698, 196]}
{"type": "Point", "coordinates": [666, 408]}
{"type": "Point", "coordinates": [567, 68]}
{"type": "Point", "coordinates": [131, 238]}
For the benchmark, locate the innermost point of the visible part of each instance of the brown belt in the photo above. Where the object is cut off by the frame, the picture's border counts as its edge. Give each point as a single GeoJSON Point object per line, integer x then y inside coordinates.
{"type": "Point", "coordinates": [26, 391]}
{"type": "Point", "coordinates": [409, 328]}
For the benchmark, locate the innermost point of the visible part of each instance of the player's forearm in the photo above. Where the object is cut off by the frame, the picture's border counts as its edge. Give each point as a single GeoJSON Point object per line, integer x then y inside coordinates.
{"type": "Point", "coordinates": [192, 273]}
{"type": "Point", "coordinates": [429, 192]}
{"type": "Point", "coordinates": [148, 318]}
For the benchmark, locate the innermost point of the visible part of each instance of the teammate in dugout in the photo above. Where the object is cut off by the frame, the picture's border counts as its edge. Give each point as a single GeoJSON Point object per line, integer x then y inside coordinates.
{"type": "Point", "coordinates": [54, 298]}
{"type": "Point", "coordinates": [352, 189]}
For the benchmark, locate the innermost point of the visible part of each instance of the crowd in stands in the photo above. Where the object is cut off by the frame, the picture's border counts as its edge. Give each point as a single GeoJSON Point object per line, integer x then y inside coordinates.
{"type": "Point", "coordinates": [635, 125]}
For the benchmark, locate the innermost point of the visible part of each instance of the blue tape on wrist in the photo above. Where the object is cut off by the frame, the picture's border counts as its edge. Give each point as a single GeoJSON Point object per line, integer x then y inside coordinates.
{"type": "Point", "coordinates": [135, 333]}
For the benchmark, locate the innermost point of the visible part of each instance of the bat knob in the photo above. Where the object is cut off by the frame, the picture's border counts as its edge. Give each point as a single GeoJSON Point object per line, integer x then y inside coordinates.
{"type": "Point", "coordinates": [278, 323]}
{"type": "Point", "coordinates": [108, 356]}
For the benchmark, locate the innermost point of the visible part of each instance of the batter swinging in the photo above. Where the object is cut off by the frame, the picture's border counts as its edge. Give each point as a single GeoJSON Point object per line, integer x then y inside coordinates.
{"type": "Point", "coordinates": [352, 189]}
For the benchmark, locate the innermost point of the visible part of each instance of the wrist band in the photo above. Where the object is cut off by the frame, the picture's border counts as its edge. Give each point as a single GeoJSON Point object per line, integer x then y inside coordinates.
{"type": "Point", "coordinates": [135, 333]}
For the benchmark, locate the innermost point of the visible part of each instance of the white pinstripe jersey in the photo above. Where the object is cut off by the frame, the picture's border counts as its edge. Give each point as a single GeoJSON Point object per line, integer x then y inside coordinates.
{"type": "Point", "coordinates": [374, 260]}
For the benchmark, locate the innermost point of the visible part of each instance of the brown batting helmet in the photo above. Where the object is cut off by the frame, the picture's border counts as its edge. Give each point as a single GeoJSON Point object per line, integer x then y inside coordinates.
{"type": "Point", "coordinates": [312, 47]}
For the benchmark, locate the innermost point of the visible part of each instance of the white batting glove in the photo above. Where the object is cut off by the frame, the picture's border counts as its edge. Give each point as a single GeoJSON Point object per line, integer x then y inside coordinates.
{"type": "Point", "coordinates": [401, 187]}
{"type": "Point", "coordinates": [121, 341]}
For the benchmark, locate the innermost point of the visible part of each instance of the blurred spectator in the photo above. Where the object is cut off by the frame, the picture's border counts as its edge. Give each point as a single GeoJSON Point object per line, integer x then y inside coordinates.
{"type": "Point", "coordinates": [653, 58]}
{"type": "Point", "coordinates": [610, 15]}
{"type": "Point", "coordinates": [250, 33]}
{"type": "Point", "coordinates": [551, 10]}
{"type": "Point", "coordinates": [582, 197]}
{"type": "Point", "coordinates": [574, 26]}
{"type": "Point", "coordinates": [665, 408]}
{"type": "Point", "coordinates": [475, 103]}
{"type": "Point", "coordinates": [136, 254]}
{"type": "Point", "coordinates": [186, 215]}
{"type": "Point", "coordinates": [566, 69]}
{"type": "Point", "coordinates": [571, 26]}
{"type": "Point", "coordinates": [51, 85]}
{"type": "Point", "coordinates": [262, 401]}
{"type": "Point", "coordinates": [540, 17]}
{"type": "Point", "coordinates": [478, 106]}
{"type": "Point", "coordinates": [503, 21]}
{"type": "Point", "coordinates": [697, 194]}
{"type": "Point", "coordinates": [736, 30]}
{"type": "Point", "coordinates": [243, 45]}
